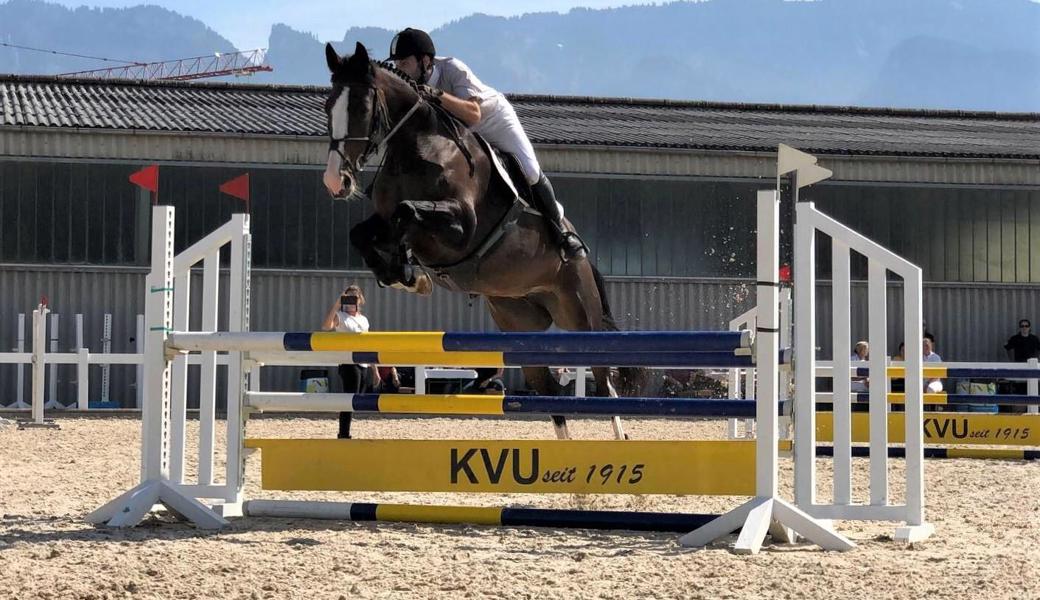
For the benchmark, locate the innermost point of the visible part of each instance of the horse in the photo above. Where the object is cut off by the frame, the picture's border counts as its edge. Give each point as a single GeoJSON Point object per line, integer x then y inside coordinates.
{"type": "Point", "coordinates": [442, 207]}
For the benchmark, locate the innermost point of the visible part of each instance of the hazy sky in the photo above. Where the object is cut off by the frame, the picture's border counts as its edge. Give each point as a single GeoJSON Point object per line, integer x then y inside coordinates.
{"type": "Point", "coordinates": [247, 23]}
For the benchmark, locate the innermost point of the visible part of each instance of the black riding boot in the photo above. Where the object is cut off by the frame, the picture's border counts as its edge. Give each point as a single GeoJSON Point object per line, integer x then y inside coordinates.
{"type": "Point", "coordinates": [570, 244]}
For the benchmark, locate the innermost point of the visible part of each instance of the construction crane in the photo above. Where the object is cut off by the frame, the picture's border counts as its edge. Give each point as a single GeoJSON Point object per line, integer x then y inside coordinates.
{"type": "Point", "coordinates": [218, 64]}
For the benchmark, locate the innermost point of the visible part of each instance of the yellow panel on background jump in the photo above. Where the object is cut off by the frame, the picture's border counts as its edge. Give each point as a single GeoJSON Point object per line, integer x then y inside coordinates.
{"type": "Point", "coordinates": [946, 428]}
{"type": "Point", "coordinates": [900, 398]}
{"type": "Point", "coordinates": [378, 341]}
{"type": "Point", "coordinates": [716, 468]}
{"type": "Point", "coordinates": [926, 372]}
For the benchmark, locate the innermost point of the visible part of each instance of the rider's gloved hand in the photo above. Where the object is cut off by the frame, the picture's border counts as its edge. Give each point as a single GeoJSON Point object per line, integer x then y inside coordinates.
{"type": "Point", "coordinates": [430, 93]}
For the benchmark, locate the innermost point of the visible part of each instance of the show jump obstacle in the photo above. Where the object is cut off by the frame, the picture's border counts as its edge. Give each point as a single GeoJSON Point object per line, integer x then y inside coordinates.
{"type": "Point", "coordinates": [698, 467]}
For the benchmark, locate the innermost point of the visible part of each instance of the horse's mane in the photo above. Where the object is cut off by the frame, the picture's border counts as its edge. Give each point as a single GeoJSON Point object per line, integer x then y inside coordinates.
{"type": "Point", "coordinates": [392, 68]}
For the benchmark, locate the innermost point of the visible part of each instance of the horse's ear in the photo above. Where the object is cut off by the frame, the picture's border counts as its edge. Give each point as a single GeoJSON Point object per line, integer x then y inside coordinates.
{"type": "Point", "coordinates": [332, 57]}
{"type": "Point", "coordinates": [361, 52]}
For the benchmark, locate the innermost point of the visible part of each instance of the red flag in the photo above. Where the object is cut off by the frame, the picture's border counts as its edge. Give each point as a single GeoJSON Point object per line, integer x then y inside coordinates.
{"type": "Point", "coordinates": [237, 187]}
{"type": "Point", "coordinates": [148, 178]}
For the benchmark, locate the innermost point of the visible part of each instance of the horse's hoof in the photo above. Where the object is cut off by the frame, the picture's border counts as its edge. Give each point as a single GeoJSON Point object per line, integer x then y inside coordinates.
{"type": "Point", "coordinates": [421, 285]}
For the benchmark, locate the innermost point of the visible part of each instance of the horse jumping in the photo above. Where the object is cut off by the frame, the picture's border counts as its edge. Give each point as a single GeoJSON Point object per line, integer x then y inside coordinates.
{"type": "Point", "coordinates": [442, 207]}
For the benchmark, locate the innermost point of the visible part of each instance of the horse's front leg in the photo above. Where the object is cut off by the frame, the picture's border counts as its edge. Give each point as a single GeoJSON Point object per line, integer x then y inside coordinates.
{"type": "Point", "coordinates": [380, 247]}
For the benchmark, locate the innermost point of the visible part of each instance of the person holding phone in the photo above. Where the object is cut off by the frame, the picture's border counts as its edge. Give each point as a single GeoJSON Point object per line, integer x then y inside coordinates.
{"type": "Point", "coordinates": [345, 315]}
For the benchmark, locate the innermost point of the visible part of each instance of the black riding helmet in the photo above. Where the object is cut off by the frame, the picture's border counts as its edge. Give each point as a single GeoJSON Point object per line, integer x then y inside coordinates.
{"type": "Point", "coordinates": [411, 42]}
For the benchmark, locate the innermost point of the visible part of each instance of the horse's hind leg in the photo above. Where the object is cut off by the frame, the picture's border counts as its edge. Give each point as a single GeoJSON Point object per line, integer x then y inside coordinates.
{"type": "Point", "coordinates": [542, 381]}
{"type": "Point", "coordinates": [577, 307]}
{"type": "Point", "coordinates": [518, 314]}
{"type": "Point", "coordinates": [605, 387]}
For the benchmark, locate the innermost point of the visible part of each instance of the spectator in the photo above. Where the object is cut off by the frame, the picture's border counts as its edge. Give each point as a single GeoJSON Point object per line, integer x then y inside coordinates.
{"type": "Point", "coordinates": [861, 352]}
{"type": "Point", "coordinates": [1020, 348]}
{"type": "Point", "coordinates": [387, 381]}
{"type": "Point", "coordinates": [488, 381]}
{"type": "Point", "coordinates": [932, 386]}
{"type": "Point", "coordinates": [899, 385]}
{"type": "Point", "coordinates": [1023, 345]}
{"type": "Point", "coordinates": [345, 315]}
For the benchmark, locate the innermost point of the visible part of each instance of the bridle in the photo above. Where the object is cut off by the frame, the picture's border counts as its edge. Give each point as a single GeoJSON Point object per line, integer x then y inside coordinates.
{"type": "Point", "coordinates": [370, 148]}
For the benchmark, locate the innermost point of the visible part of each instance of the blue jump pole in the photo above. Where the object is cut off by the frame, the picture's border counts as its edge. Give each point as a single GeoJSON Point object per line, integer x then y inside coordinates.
{"type": "Point", "coordinates": [585, 341]}
{"type": "Point", "coordinates": [515, 404]}
{"type": "Point", "coordinates": [488, 516]}
{"type": "Point", "coordinates": [599, 341]}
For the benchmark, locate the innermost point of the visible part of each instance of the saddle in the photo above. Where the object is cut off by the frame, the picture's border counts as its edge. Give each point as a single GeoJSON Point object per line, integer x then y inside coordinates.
{"type": "Point", "coordinates": [507, 170]}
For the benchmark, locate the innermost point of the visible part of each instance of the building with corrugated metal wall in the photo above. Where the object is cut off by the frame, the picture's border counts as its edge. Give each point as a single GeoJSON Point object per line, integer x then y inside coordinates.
{"type": "Point", "coordinates": [662, 191]}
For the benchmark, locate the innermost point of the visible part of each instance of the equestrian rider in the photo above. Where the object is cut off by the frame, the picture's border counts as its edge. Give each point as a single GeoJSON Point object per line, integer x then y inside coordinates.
{"type": "Point", "coordinates": [487, 112]}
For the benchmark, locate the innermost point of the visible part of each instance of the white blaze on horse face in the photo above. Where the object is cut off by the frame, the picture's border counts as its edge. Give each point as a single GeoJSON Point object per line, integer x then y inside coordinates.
{"type": "Point", "coordinates": [333, 180]}
{"type": "Point", "coordinates": [339, 114]}
{"type": "Point", "coordinates": [338, 129]}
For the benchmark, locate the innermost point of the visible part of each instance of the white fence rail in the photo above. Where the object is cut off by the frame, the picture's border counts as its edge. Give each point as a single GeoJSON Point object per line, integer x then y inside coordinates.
{"type": "Point", "coordinates": [45, 356]}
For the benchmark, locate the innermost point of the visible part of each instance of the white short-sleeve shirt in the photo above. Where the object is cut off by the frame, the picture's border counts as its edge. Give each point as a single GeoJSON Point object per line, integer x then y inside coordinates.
{"type": "Point", "coordinates": [498, 121]}
{"type": "Point", "coordinates": [453, 76]}
{"type": "Point", "coordinates": [351, 323]}
{"type": "Point", "coordinates": [859, 384]}
{"type": "Point", "coordinates": [933, 386]}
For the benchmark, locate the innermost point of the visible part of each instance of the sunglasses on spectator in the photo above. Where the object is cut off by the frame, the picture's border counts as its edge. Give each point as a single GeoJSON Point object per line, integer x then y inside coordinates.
{"type": "Point", "coordinates": [1023, 325]}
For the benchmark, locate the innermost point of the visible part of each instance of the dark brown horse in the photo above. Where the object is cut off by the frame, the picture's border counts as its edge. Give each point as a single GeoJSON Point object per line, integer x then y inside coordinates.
{"type": "Point", "coordinates": [441, 205]}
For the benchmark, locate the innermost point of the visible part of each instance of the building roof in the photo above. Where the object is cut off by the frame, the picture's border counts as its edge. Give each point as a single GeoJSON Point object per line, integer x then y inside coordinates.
{"type": "Point", "coordinates": [50, 102]}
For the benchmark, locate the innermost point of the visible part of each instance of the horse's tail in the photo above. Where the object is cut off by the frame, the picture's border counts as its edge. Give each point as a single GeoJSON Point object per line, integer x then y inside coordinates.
{"type": "Point", "coordinates": [632, 380]}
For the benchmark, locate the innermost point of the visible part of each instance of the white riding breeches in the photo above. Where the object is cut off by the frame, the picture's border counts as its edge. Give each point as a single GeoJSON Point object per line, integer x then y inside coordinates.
{"type": "Point", "coordinates": [501, 128]}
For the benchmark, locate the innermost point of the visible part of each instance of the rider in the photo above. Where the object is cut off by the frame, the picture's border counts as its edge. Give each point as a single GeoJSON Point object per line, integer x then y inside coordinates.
{"type": "Point", "coordinates": [488, 113]}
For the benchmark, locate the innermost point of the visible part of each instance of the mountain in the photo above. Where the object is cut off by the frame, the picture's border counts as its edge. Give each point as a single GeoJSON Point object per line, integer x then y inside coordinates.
{"type": "Point", "coordinates": [140, 33]}
{"type": "Point", "coordinates": [965, 54]}
{"type": "Point", "coordinates": [937, 72]}
{"type": "Point", "coordinates": [299, 58]}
